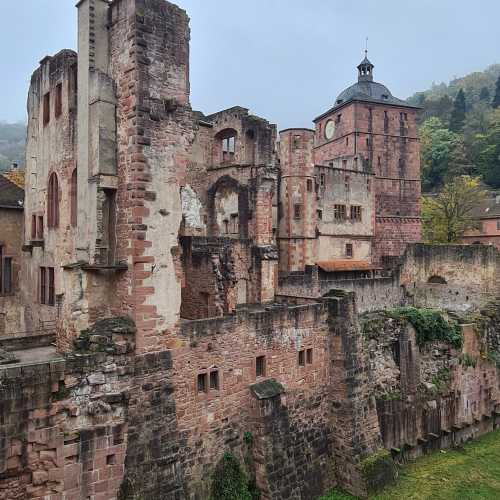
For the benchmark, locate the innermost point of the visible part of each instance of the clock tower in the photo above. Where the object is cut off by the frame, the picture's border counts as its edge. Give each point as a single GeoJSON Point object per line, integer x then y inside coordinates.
{"type": "Point", "coordinates": [371, 138]}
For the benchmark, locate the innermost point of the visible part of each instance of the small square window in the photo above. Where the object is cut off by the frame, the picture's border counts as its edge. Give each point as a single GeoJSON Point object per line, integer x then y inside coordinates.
{"type": "Point", "coordinates": [260, 366]}
{"type": "Point", "coordinates": [302, 358]}
{"type": "Point", "coordinates": [202, 382]}
{"type": "Point", "coordinates": [214, 380]}
{"type": "Point", "coordinates": [309, 356]}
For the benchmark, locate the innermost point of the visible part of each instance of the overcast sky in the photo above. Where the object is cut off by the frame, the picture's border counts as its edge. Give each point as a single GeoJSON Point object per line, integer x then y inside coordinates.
{"type": "Point", "coordinates": [286, 60]}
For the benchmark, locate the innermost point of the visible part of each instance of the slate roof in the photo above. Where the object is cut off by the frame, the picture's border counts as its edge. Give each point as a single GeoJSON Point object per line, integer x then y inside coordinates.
{"type": "Point", "coordinates": [12, 189]}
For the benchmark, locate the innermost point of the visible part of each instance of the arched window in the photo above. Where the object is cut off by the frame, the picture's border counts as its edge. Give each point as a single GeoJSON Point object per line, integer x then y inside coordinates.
{"type": "Point", "coordinates": [73, 194]}
{"type": "Point", "coordinates": [53, 201]}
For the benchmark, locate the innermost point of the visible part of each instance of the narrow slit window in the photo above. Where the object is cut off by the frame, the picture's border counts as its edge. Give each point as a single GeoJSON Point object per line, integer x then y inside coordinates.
{"type": "Point", "coordinates": [348, 250]}
{"type": "Point", "coordinates": [43, 285]}
{"type": "Point", "coordinates": [309, 185]}
{"type": "Point", "coordinates": [46, 108]}
{"type": "Point", "coordinates": [33, 227]}
{"type": "Point", "coordinates": [39, 228]}
{"type": "Point", "coordinates": [51, 288]}
{"type": "Point", "coordinates": [58, 103]}
{"type": "Point", "coordinates": [260, 366]}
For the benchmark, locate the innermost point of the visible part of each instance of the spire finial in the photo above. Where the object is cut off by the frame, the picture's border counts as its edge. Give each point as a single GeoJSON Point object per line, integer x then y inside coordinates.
{"type": "Point", "coordinates": [366, 47]}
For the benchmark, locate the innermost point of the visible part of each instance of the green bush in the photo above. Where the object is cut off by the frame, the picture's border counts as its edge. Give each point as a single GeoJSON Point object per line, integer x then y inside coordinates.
{"type": "Point", "coordinates": [229, 481]}
{"type": "Point", "coordinates": [430, 325]}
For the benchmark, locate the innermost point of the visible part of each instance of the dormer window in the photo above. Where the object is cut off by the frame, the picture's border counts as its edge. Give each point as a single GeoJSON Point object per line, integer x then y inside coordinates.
{"type": "Point", "coordinates": [385, 97]}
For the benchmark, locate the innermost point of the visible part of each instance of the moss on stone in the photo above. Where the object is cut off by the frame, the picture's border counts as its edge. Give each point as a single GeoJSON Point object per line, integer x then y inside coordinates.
{"type": "Point", "coordinates": [378, 470]}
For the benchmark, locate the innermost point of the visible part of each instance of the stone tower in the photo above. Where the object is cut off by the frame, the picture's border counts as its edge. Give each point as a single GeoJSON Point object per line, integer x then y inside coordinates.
{"type": "Point", "coordinates": [297, 219]}
{"type": "Point", "coordinates": [379, 131]}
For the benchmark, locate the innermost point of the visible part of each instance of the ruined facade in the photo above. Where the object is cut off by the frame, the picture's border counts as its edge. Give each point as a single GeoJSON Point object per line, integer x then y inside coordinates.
{"type": "Point", "coordinates": [209, 281]}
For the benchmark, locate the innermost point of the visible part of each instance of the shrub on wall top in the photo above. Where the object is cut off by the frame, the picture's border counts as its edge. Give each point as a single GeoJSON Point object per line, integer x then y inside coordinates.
{"type": "Point", "coordinates": [430, 325]}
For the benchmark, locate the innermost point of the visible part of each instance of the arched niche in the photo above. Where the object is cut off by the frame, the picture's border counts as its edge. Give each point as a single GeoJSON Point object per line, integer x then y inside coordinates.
{"type": "Point", "coordinates": [228, 208]}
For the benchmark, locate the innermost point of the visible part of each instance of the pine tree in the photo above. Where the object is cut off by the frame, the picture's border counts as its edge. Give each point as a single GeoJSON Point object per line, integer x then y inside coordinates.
{"type": "Point", "coordinates": [484, 95]}
{"type": "Point", "coordinates": [496, 100]}
{"type": "Point", "coordinates": [458, 113]}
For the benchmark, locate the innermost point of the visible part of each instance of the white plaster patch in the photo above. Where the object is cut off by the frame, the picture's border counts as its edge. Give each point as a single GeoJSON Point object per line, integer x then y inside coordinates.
{"type": "Point", "coordinates": [191, 208]}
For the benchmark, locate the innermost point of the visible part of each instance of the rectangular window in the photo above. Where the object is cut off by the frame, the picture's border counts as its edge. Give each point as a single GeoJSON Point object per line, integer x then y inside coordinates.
{"type": "Point", "coordinates": [214, 380]}
{"type": "Point", "coordinates": [47, 286]}
{"type": "Point", "coordinates": [309, 185]}
{"type": "Point", "coordinates": [319, 213]}
{"type": "Point", "coordinates": [355, 213]}
{"type": "Point", "coordinates": [339, 212]}
{"type": "Point", "coordinates": [5, 273]}
{"type": "Point", "coordinates": [51, 290]}
{"type": "Point", "coordinates": [309, 356]}
{"type": "Point", "coordinates": [260, 366]}
{"type": "Point", "coordinates": [348, 250]}
{"type": "Point", "coordinates": [498, 224]}
{"type": "Point", "coordinates": [302, 358]}
{"type": "Point", "coordinates": [58, 103]}
{"type": "Point", "coordinates": [33, 227]}
{"type": "Point", "coordinates": [322, 179]}
{"type": "Point", "coordinates": [39, 228]}
{"type": "Point", "coordinates": [297, 211]}
{"type": "Point", "coordinates": [339, 117]}
{"type": "Point", "coordinates": [202, 382]}
{"type": "Point", "coordinates": [228, 148]}
{"type": "Point", "coordinates": [46, 108]}
{"type": "Point", "coordinates": [296, 141]}
{"type": "Point", "coordinates": [43, 285]}
{"type": "Point", "coordinates": [344, 164]}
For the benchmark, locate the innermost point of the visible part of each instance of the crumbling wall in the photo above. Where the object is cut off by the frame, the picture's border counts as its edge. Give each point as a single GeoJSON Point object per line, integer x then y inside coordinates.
{"type": "Point", "coordinates": [431, 395]}
{"type": "Point", "coordinates": [63, 421]}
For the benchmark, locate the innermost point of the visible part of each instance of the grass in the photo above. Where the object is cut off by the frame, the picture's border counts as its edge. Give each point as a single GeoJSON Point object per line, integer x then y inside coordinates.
{"type": "Point", "coordinates": [468, 473]}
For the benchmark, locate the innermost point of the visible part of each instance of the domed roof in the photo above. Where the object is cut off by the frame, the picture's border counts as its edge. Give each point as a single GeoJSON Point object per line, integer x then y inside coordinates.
{"type": "Point", "coordinates": [367, 90]}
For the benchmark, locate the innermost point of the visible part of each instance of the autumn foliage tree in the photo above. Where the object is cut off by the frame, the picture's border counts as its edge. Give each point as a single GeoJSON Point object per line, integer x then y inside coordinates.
{"type": "Point", "coordinates": [448, 215]}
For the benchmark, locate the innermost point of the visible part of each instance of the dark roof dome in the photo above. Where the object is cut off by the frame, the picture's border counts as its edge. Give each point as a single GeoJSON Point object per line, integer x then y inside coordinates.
{"type": "Point", "coordinates": [366, 89]}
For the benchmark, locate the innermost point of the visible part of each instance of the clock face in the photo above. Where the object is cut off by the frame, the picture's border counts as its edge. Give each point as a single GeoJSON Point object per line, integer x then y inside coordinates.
{"type": "Point", "coordinates": [329, 129]}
